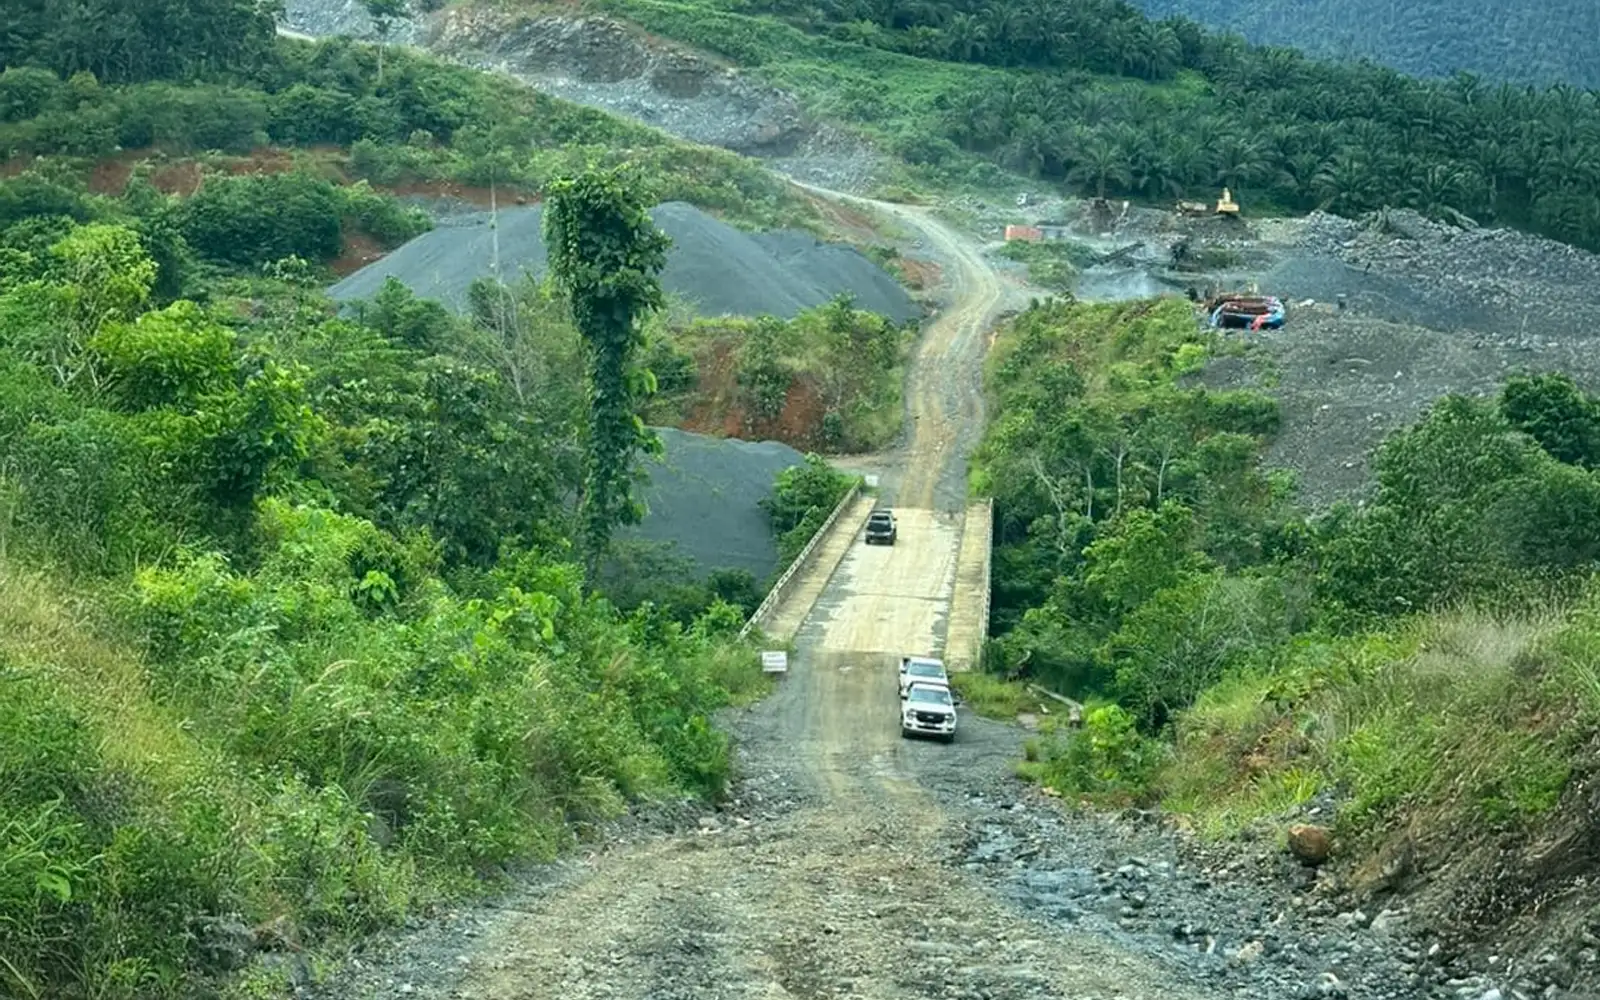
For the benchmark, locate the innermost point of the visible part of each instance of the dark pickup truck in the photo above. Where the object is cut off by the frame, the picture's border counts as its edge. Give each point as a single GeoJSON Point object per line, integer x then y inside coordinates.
{"type": "Point", "coordinates": [881, 528]}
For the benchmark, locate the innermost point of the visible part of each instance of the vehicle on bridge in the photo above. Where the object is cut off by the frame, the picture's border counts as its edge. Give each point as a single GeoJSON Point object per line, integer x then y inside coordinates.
{"type": "Point", "coordinates": [882, 527]}
{"type": "Point", "coordinates": [928, 710]}
{"type": "Point", "coordinates": [923, 669]}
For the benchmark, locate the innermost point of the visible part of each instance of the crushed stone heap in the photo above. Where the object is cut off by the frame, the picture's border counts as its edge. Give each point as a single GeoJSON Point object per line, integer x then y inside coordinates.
{"type": "Point", "coordinates": [714, 268]}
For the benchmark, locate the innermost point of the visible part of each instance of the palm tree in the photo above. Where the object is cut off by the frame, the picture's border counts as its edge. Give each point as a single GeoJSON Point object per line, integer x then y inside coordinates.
{"type": "Point", "coordinates": [1239, 161]}
{"type": "Point", "coordinates": [1099, 161]}
{"type": "Point", "coordinates": [1346, 184]}
{"type": "Point", "coordinates": [1031, 145]}
{"type": "Point", "coordinates": [966, 38]}
{"type": "Point", "coordinates": [1436, 187]}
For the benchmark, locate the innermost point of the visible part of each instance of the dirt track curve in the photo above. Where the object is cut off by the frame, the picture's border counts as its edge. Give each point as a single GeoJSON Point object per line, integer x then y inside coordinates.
{"type": "Point", "coordinates": [835, 872]}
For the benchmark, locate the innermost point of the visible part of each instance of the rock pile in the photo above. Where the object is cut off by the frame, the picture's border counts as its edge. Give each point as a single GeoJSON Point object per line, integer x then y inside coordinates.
{"type": "Point", "coordinates": [1513, 280]}
{"type": "Point", "coordinates": [716, 269]}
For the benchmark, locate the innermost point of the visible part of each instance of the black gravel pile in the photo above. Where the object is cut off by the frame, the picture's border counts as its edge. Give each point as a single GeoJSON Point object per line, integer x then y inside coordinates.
{"type": "Point", "coordinates": [714, 268]}
{"type": "Point", "coordinates": [704, 496]}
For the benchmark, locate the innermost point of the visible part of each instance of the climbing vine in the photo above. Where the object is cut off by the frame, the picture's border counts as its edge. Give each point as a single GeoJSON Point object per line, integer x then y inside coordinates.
{"type": "Point", "coordinates": [605, 255]}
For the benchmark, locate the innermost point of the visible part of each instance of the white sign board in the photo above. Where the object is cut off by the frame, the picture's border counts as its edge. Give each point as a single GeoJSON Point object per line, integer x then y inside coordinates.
{"type": "Point", "coordinates": [775, 661]}
{"type": "Point", "coordinates": [871, 481]}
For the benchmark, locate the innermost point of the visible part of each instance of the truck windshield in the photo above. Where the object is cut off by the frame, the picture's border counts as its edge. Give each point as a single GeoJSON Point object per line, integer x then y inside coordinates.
{"type": "Point", "coordinates": [925, 670]}
{"type": "Point", "coordinates": [931, 695]}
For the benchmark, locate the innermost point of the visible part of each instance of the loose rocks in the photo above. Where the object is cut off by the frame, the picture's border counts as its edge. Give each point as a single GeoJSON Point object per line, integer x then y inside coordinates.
{"type": "Point", "coordinates": [1310, 844]}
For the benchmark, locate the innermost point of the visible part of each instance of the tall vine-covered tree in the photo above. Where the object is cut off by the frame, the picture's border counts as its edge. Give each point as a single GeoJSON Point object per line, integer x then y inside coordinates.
{"type": "Point", "coordinates": [606, 255]}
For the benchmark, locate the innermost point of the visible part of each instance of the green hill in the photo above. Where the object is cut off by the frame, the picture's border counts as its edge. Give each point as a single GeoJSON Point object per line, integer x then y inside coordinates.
{"type": "Point", "coordinates": [1096, 95]}
{"type": "Point", "coordinates": [292, 624]}
{"type": "Point", "coordinates": [328, 115]}
{"type": "Point", "coordinates": [1540, 42]}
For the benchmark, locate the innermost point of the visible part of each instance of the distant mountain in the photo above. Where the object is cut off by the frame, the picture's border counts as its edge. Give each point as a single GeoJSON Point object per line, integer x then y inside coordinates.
{"type": "Point", "coordinates": [1532, 41]}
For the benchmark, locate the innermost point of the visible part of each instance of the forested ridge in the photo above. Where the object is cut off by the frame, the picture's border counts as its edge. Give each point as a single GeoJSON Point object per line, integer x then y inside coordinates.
{"type": "Point", "coordinates": [85, 98]}
{"type": "Point", "coordinates": [1094, 94]}
{"type": "Point", "coordinates": [1543, 42]}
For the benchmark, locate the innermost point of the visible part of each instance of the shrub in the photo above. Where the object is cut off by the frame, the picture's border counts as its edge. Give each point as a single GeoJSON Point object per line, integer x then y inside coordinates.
{"type": "Point", "coordinates": [251, 220]}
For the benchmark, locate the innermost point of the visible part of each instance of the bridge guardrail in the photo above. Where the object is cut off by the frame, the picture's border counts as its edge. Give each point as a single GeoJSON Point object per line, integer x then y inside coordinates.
{"type": "Point", "coordinates": [982, 637]}
{"type": "Point", "coordinates": [779, 589]}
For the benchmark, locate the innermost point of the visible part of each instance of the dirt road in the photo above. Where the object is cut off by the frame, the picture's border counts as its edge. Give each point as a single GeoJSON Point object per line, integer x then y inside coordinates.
{"type": "Point", "coordinates": [944, 399]}
{"type": "Point", "coordinates": [831, 874]}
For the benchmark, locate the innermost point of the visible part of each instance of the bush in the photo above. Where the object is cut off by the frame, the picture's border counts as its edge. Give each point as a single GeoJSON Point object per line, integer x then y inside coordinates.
{"type": "Point", "coordinates": [252, 220]}
{"type": "Point", "coordinates": [1106, 761]}
{"type": "Point", "coordinates": [801, 500]}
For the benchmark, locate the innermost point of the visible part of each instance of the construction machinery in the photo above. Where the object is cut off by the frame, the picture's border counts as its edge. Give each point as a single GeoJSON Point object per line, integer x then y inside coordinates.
{"type": "Point", "coordinates": [1245, 311]}
{"type": "Point", "coordinates": [1225, 206]}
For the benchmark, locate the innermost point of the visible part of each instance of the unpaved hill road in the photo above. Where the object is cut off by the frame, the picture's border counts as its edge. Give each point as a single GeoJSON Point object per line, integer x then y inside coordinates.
{"type": "Point", "coordinates": [835, 872]}
{"type": "Point", "coordinates": [944, 397]}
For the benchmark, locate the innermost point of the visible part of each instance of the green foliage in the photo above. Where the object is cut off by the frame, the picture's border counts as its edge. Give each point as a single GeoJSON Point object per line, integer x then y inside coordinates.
{"type": "Point", "coordinates": [253, 220]}
{"type": "Point", "coordinates": [1118, 496]}
{"type": "Point", "coordinates": [142, 40]}
{"type": "Point", "coordinates": [1052, 264]}
{"type": "Point", "coordinates": [1106, 761]}
{"type": "Point", "coordinates": [1466, 719]}
{"type": "Point", "coordinates": [801, 500]}
{"type": "Point", "coordinates": [316, 651]}
{"type": "Point", "coordinates": [1259, 659]}
{"type": "Point", "coordinates": [1556, 413]}
{"type": "Point", "coordinates": [1535, 43]}
{"type": "Point", "coordinates": [994, 697]}
{"type": "Point", "coordinates": [831, 378]}
{"type": "Point", "coordinates": [1110, 102]}
{"type": "Point", "coordinates": [605, 254]}
{"type": "Point", "coordinates": [1465, 507]}
{"type": "Point", "coordinates": [425, 121]}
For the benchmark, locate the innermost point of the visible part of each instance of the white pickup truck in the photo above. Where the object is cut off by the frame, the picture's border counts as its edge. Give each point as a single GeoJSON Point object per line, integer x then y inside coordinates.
{"type": "Point", "coordinates": [921, 668]}
{"type": "Point", "coordinates": [928, 710]}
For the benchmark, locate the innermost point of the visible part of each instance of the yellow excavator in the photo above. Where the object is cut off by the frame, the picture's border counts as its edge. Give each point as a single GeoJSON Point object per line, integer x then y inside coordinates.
{"type": "Point", "coordinates": [1225, 206]}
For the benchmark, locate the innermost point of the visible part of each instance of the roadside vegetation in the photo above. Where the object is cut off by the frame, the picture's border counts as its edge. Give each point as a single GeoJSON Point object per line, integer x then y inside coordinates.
{"type": "Point", "coordinates": [298, 624]}
{"type": "Point", "coordinates": [1430, 653]}
{"type": "Point", "coordinates": [802, 500]}
{"type": "Point", "coordinates": [324, 111]}
{"type": "Point", "coordinates": [830, 379]}
{"type": "Point", "coordinates": [1107, 101]}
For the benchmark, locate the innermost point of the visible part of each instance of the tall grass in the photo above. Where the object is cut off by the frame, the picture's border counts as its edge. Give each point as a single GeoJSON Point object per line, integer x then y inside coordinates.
{"type": "Point", "coordinates": [1466, 717]}
{"type": "Point", "coordinates": [219, 751]}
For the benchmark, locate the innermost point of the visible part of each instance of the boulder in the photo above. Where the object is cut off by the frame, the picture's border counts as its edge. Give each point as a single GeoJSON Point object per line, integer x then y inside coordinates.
{"type": "Point", "coordinates": [1311, 844]}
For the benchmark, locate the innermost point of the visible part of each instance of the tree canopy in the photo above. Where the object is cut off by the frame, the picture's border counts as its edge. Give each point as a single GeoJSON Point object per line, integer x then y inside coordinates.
{"type": "Point", "coordinates": [1095, 95]}
{"type": "Point", "coordinates": [1539, 41]}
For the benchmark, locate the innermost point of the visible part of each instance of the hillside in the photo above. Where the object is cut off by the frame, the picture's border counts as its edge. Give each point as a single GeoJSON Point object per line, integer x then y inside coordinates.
{"type": "Point", "coordinates": [1412, 677]}
{"type": "Point", "coordinates": [1096, 97]}
{"type": "Point", "coordinates": [324, 615]}
{"type": "Point", "coordinates": [1543, 42]}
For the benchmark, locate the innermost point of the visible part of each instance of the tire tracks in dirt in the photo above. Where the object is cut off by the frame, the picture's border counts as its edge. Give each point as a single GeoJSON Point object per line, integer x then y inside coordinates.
{"type": "Point", "coordinates": [853, 892]}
